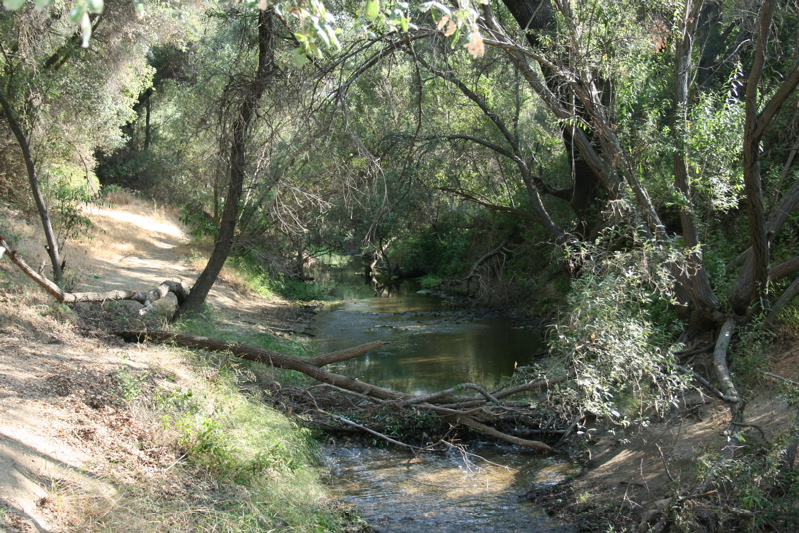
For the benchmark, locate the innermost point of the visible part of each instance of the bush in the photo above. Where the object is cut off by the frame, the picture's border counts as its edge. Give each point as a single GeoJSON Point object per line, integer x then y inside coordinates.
{"type": "Point", "coordinates": [620, 357]}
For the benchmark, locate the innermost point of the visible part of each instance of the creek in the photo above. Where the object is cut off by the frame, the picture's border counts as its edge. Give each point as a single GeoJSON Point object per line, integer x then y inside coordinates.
{"type": "Point", "coordinates": [433, 347]}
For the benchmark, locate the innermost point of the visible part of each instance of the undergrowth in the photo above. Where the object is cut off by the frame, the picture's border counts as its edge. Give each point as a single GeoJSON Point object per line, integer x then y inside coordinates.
{"type": "Point", "coordinates": [242, 466]}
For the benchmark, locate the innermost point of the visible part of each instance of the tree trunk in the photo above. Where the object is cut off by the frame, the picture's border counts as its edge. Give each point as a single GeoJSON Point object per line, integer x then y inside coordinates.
{"type": "Point", "coordinates": [534, 16]}
{"type": "Point", "coordinates": [752, 181]}
{"type": "Point", "coordinates": [49, 235]}
{"type": "Point", "coordinates": [147, 108]}
{"type": "Point", "coordinates": [238, 162]}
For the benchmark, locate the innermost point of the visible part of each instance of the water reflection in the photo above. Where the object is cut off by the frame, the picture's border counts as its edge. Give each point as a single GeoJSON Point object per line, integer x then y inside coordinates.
{"type": "Point", "coordinates": [432, 348]}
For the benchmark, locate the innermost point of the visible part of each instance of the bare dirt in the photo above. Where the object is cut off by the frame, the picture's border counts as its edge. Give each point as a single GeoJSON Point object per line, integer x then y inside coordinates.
{"type": "Point", "coordinates": [631, 477]}
{"type": "Point", "coordinates": [67, 435]}
{"type": "Point", "coordinates": [68, 439]}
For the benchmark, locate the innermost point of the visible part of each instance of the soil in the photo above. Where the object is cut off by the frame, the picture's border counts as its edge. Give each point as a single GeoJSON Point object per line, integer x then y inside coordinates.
{"type": "Point", "coordinates": [67, 435]}
{"type": "Point", "coordinates": [628, 475]}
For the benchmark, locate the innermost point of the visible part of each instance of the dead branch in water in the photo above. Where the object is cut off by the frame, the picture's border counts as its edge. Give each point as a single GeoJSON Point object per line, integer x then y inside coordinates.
{"type": "Point", "coordinates": [475, 412]}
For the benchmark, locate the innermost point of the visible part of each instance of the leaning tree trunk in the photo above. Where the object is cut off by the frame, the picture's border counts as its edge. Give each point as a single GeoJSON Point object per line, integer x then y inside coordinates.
{"type": "Point", "coordinates": [752, 181]}
{"type": "Point", "coordinates": [246, 112]}
{"type": "Point", "coordinates": [754, 277]}
{"type": "Point", "coordinates": [693, 283]}
{"type": "Point", "coordinates": [49, 235]}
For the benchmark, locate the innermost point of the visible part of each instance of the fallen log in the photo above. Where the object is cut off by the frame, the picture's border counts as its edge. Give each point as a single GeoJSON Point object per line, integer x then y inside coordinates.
{"type": "Point", "coordinates": [144, 298]}
{"type": "Point", "coordinates": [473, 418]}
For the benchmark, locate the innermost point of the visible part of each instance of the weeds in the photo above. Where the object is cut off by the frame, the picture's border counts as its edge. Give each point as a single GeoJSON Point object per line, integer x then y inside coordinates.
{"type": "Point", "coordinates": [756, 490]}
{"type": "Point", "coordinates": [241, 466]}
{"type": "Point", "coordinates": [130, 382]}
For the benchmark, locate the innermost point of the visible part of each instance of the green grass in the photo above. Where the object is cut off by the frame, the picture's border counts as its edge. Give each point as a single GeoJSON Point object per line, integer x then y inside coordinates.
{"type": "Point", "coordinates": [248, 447]}
{"type": "Point", "coordinates": [244, 465]}
{"type": "Point", "coordinates": [268, 286]}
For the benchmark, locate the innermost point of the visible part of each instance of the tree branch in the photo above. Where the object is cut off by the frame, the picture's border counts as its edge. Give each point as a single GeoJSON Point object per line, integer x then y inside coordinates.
{"type": "Point", "coordinates": [311, 367]}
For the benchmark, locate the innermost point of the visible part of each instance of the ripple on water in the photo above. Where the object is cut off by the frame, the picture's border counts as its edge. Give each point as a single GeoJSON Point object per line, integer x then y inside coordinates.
{"type": "Point", "coordinates": [445, 493]}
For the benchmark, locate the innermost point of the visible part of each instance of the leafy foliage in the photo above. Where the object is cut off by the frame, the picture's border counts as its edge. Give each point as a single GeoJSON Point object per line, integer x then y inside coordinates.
{"type": "Point", "coordinates": [615, 335]}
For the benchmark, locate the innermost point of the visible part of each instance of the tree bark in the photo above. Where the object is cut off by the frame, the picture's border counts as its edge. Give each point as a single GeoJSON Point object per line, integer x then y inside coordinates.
{"type": "Point", "coordinates": [238, 163]}
{"type": "Point", "coordinates": [720, 362]}
{"type": "Point", "coordinates": [692, 276]}
{"type": "Point", "coordinates": [30, 167]}
{"type": "Point", "coordinates": [753, 130]}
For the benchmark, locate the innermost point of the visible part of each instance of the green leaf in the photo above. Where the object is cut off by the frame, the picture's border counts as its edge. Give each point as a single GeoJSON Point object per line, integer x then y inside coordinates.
{"type": "Point", "coordinates": [372, 9]}
{"type": "Point", "coordinates": [298, 57]}
{"type": "Point", "coordinates": [86, 26]}
{"type": "Point", "coordinates": [322, 34]}
{"type": "Point", "coordinates": [95, 6]}
{"type": "Point", "coordinates": [41, 4]}
{"type": "Point", "coordinates": [13, 5]}
{"type": "Point", "coordinates": [332, 34]}
{"type": "Point", "coordinates": [455, 37]}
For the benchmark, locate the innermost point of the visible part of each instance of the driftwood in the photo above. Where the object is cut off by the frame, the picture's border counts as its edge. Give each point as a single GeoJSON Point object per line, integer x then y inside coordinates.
{"type": "Point", "coordinates": [144, 298]}
{"type": "Point", "coordinates": [471, 411]}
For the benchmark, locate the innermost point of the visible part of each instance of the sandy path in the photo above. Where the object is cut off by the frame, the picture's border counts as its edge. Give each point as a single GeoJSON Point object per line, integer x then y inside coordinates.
{"type": "Point", "coordinates": [137, 247]}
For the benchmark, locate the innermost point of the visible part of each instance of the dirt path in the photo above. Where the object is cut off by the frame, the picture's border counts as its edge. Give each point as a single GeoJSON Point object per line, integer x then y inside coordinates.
{"type": "Point", "coordinates": [63, 425]}
{"type": "Point", "coordinates": [134, 246]}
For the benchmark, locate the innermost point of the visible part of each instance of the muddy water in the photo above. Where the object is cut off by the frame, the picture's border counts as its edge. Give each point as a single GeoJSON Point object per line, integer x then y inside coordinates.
{"type": "Point", "coordinates": [433, 347]}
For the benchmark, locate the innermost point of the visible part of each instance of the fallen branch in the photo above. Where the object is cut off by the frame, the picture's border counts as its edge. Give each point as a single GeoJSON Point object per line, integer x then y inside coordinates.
{"type": "Point", "coordinates": [144, 298]}
{"type": "Point", "coordinates": [313, 367]}
{"type": "Point", "coordinates": [482, 428]}
{"type": "Point", "coordinates": [786, 380]}
{"type": "Point", "coordinates": [704, 382]}
{"type": "Point", "coordinates": [370, 431]}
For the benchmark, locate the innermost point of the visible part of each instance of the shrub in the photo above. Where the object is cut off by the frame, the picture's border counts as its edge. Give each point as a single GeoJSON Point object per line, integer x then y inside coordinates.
{"type": "Point", "coordinates": [618, 353]}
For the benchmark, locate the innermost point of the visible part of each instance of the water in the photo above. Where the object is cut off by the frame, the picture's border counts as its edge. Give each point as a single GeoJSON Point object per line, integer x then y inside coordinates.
{"type": "Point", "coordinates": [432, 348]}
{"type": "Point", "coordinates": [445, 493]}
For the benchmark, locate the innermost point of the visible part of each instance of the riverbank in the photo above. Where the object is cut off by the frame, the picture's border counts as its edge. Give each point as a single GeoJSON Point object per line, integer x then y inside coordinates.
{"type": "Point", "coordinates": [654, 478]}
{"type": "Point", "coordinates": [98, 435]}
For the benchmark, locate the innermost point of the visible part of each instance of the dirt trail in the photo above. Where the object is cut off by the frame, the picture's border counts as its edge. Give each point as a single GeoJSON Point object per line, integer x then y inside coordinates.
{"type": "Point", "coordinates": [63, 426]}
{"type": "Point", "coordinates": [134, 246]}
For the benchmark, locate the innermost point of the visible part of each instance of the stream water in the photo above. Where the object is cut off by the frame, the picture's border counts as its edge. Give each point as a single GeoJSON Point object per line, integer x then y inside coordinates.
{"type": "Point", "coordinates": [433, 347]}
